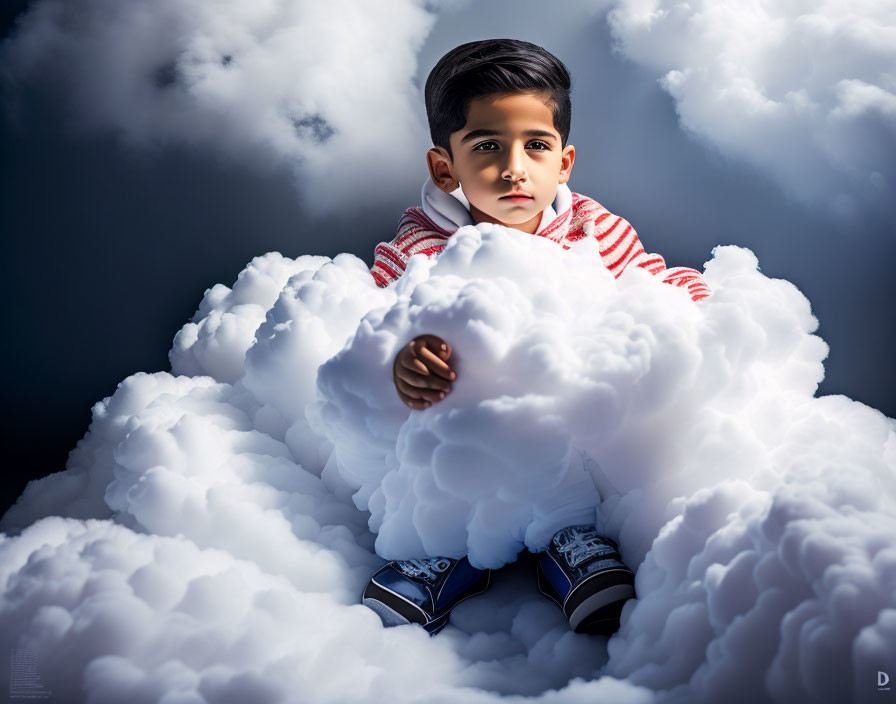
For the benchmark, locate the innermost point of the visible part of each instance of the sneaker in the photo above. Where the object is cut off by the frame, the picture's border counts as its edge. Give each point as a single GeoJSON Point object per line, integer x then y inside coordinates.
{"type": "Point", "coordinates": [582, 572]}
{"type": "Point", "coordinates": [423, 591]}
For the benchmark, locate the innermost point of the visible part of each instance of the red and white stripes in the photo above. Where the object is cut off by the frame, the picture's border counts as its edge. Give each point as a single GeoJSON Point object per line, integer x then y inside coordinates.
{"type": "Point", "coordinates": [619, 244]}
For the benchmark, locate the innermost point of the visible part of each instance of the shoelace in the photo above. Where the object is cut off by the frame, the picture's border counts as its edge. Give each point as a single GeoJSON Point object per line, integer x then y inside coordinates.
{"type": "Point", "coordinates": [578, 544]}
{"type": "Point", "coordinates": [427, 568]}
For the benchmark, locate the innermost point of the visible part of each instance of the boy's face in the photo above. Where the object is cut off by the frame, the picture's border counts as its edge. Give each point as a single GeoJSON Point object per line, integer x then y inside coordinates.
{"type": "Point", "coordinates": [519, 151]}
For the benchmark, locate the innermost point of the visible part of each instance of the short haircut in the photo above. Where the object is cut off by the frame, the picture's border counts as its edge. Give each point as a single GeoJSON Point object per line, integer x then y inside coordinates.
{"type": "Point", "coordinates": [493, 67]}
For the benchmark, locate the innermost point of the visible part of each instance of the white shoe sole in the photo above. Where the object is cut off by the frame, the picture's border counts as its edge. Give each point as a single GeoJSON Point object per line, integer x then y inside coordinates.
{"type": "Point", "coordinates": [387, 615]}
{"type": "Point", "coordinates": [620, 592]}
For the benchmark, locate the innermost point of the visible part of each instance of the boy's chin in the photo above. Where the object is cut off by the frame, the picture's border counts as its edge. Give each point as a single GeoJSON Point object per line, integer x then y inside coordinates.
{"type": "Point", "coordinates": [513, 219]}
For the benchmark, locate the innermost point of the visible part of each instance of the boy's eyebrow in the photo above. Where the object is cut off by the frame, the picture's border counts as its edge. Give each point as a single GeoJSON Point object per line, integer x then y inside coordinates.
{"type": "Point", "coordinates": [497, 133]}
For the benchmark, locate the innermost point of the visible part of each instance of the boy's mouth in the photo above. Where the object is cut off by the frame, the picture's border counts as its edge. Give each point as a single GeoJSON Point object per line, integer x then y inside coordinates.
{"type": "Point", "coordinates": [517, 197]}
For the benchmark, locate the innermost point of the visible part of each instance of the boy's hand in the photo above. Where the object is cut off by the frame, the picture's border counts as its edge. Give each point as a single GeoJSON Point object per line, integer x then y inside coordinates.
{"type": "Point", "coordinates": [421, 373]}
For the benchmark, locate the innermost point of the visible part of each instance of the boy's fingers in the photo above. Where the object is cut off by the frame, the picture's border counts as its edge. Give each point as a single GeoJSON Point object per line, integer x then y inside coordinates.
{"type": "Point", "coordinates": [407, 358]}
{"type": "Point", "coordinates": [415, 403]}
{"type": "Point", "coordinates": [408, 390]}
{"type": "Point", "coordinates": [434, 343]}
{"type": "Point", "coordinates": [423, 397]}
{"type": "Point", "coordinates": [415, 364]}
{"type": "Point", "coordinates": [413, 353]}
{"type": "Point", "coordinates": [408, 370]}
{"type": "Point", "coordinates": [435, 363]}
{"type": "Point", "coordinates": [419, 382]}
{"type": "Point", "coordinates": [410, 401]}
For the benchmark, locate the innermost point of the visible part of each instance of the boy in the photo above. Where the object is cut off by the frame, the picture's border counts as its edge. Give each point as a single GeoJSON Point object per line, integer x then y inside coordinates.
{"type": "Point", "coordinates": [499, 116]}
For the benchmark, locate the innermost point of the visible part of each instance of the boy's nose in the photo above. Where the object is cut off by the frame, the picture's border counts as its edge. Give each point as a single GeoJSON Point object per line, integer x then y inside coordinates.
{"type": "Point", "coordinates": [514, 169]}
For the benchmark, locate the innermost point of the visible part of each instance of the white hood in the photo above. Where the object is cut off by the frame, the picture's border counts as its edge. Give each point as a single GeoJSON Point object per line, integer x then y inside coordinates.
{"type": "Point", "coordinates": [451, 211]}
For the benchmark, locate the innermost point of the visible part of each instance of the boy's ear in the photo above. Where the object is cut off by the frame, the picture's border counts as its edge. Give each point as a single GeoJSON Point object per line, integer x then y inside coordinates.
{"type": "Point", "coordinates": [567, 159]}
{"type": "Point", "coordinates": [441, 170]}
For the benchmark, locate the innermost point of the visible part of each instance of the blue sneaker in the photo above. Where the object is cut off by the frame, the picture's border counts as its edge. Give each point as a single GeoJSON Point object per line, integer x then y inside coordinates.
{"type": "Point", "coordinates": [423, 591]}
{"type": "Point", "coordinates": [582, 572]}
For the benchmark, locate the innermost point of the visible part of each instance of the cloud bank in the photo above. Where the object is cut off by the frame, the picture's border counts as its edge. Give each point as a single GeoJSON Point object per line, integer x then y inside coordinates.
{"type": "Point", "coordinates": [803, 91]}
{"type": "Point", "coordinates": [293, 83]}
{"type": "Point", "coordinates": [213, 531]}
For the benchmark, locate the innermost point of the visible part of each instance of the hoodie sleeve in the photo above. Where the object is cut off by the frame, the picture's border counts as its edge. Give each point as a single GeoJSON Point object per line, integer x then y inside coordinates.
{"type": "Point", "coordinates": [390, 259]}
{"type": "Point", "coordinates": [620, 248]}
{"type": "Point", "coordinates": [389, 264]}
{"type": "Point", "coordinates": [417, 234]}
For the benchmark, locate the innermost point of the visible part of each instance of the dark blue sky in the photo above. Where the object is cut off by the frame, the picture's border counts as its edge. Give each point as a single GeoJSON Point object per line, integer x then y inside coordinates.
{"type": "Point", "coordinates": [108, 250]}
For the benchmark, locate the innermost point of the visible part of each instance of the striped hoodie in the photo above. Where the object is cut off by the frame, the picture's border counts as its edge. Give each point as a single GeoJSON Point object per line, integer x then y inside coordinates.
{"type": "Point", "coordinates": [425, 230]}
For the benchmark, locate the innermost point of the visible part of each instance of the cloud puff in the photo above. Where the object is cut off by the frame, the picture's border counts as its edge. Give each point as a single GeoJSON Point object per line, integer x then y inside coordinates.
{"type": "Point", "coordinates": [211, 537]}
{"type": "Point", "coordinates": [215, 341]}
{"type": "Point", "coordinates": [804, 91]}
{"type": "Point", "coordinates": [296, 83]}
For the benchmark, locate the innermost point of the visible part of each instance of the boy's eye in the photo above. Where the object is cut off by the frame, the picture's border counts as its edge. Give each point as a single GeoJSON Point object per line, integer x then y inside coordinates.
{"type": "Point", "coordinates": [478, 148]}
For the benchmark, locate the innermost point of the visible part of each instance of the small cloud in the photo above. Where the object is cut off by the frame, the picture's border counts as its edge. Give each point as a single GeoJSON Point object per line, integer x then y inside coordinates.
{"type": "Point", "coordinates": [804, 94]}
{"type": "Point", "coordinates": [263, 84]}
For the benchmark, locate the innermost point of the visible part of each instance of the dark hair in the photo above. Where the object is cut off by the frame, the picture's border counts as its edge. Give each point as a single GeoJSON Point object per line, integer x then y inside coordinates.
{"type": "Point", "coordinates": [493, 67]}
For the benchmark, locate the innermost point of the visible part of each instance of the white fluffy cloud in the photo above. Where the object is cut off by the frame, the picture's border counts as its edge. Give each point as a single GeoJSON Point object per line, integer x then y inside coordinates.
{"type": "Point", "coordinates": [804, 91]}
{"type": "Point", "coordinates": [205, 541]}
{"type": "Point", "coordinates": [298, 82]}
